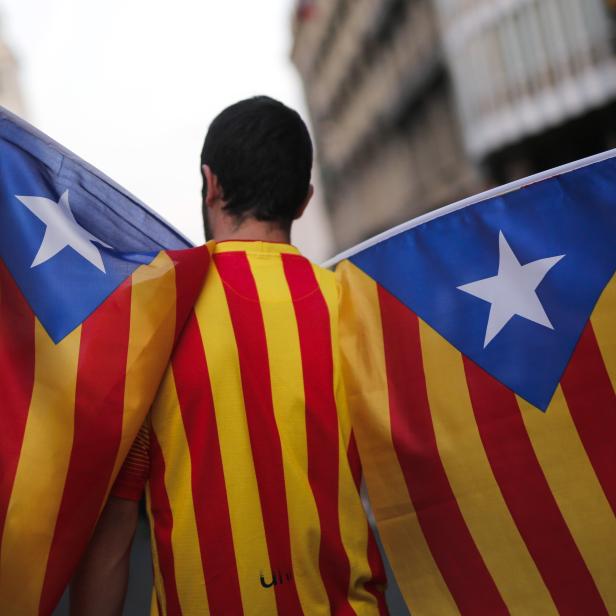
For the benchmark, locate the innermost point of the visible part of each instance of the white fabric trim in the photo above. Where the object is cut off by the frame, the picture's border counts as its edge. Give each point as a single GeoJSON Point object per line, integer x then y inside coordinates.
{"type": "Point", "coordinates": [458, 205]}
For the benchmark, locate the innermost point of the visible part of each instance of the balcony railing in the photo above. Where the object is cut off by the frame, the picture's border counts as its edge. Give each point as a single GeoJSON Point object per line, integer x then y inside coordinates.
{"type": "Point", "coordinates": [522, 66]}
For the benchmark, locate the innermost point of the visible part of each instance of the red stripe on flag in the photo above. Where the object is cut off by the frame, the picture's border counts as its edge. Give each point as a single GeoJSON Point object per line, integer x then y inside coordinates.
{"type": "Point", "coordinates": [17, 358]}
{"type": "Point", "coordinates": [247, 318]}
{"type": "Point", "coordinates": [376, 584]}
{"type": "Point", "coordinates": [163, 525]}
{"type": "Point", "coordinates": [439, 515]}
{"type": "Point", "coordinates": [528, 495]}
{"type": "Point", "coordinates": [592, 403]}
{"type": "Point", "coordinates": [322, 436]}
{"type": "Point", "coordinates": [354, 461]}
{"type": "Point", "coordinates": [190, 268]}
{"type": "Point", "coordinates": [207, 477]}
{"type": "Point", "coordinates": [99, 406]}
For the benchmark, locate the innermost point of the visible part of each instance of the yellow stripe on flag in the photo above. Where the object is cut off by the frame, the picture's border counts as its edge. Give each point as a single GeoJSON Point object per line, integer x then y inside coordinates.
{"type": "Point", "coordinates": [287, 385]}
{"type": "Point", "coordinates": [363, 362]}
{"type": "Point", "coordinates": [603, 321]}
{"type": "Point", "coordinates": [329, 288]}
{"type": "Point", "coordinates": [576, 489]}
{"type": "Point", "coordinates": [241, 483]}
{"type": "Point", "coordinates": [152, 329]}
{"type": "Point", "coordinates": [353, 523]}
{"type": "Point", "coordinates": [169, 430]}
{"type": "Point", "coordinates": [159, 586]}
{"type": "Point", "coordinates": [154, 605]}
{"type": "Point", "coordinates": [472, 481]}
{"type": "Point", "coordinates": [354, 531]}
{"type": "Point", "coordinates": [41, 473]}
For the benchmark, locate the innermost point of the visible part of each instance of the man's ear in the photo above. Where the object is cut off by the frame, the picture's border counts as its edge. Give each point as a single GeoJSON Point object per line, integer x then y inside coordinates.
{"type": "Point", "coordinates": [306, 202]}
{"type": "Point", "coordinates": [214, 189]}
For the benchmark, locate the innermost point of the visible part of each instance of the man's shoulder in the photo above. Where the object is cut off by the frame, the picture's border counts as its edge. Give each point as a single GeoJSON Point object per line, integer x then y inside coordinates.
{"type": "Point", "coordinates": [324, 278]}
{"type": "Point", "coordinates": [271, 267]}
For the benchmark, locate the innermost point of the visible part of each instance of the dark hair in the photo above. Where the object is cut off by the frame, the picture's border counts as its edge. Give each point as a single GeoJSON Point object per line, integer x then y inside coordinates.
{"type": "Point", "coordinates": [261, 152]}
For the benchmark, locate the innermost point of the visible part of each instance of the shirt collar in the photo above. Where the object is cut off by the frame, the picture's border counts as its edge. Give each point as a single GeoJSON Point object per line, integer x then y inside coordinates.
{"type": "Point", "coordinates": [253, 247]}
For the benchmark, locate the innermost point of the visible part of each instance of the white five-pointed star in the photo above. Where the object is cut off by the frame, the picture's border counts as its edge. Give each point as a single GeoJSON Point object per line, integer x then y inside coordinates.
{"type": "Point", "coordinates": [62, 230]}
{"type": "Point", "coordinates": [512, 290]}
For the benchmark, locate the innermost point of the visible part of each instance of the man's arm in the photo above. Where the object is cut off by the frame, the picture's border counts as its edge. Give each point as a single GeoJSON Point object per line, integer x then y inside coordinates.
{"type": "Point", "coordinates": [99, 585]}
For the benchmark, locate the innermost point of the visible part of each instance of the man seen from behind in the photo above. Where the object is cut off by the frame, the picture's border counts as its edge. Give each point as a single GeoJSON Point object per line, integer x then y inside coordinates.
{"type": "Point", "coordinates": [247, 459]}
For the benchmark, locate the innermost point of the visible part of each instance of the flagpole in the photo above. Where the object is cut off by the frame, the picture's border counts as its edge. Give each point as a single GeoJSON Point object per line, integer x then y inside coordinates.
{"type": "Point", "coordinates": [498, 191]}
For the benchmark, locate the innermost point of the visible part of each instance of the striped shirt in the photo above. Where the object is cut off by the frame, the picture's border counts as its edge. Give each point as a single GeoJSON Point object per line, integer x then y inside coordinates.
{"type": "Point", "coordinates": [251, 466]}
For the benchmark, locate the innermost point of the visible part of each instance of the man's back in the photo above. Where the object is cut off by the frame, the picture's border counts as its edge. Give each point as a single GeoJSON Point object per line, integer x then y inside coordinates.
{"type": "Point", "coordinates": [253, 488]}
{"type": "Point", "coordinates": [253, 472]}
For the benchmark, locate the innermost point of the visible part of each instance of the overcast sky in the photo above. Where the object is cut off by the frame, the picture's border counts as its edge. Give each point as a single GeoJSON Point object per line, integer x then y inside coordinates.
{"type": "Point", "coordinates": [131, 86]}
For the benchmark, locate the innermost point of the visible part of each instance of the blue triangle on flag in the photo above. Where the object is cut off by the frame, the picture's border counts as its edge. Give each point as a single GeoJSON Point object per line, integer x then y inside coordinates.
{"type": "Point", "coordinates": [69, 235]}
{"type": "Point", "coordinates": [572, 216]}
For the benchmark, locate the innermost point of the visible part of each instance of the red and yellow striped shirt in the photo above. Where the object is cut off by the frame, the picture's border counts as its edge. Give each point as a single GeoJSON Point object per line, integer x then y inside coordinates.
{"type": "Point", "coordinates": [253, 478]}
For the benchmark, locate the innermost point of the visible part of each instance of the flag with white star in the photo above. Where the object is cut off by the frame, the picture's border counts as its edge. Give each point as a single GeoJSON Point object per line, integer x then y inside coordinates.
{"type": "Point", "coordinates": [68, 234]}
{"type": "Point", "coordinates": [479, 347]}
{"type": "Point", "coordinates": [90, 303]}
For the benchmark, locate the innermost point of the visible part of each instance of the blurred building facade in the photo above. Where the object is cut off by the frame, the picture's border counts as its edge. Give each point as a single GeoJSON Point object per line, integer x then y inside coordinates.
{"type": "Point", "coordinates": [382, 109]}
{"type": "Point", "coordinates": [417, 103]}
{"type": "Point", "coordinates": [544, 91]}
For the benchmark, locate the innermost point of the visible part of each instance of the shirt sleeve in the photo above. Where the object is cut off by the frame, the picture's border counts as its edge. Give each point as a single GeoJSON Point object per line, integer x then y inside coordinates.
{"type": "Point", "coordinates": [134, 473]}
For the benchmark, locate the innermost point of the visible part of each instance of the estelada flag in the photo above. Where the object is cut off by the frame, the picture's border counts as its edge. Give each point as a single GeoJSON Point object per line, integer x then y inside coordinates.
{"type": "Point", "coordinates": [480, 355]}
{"type": "Point", "coordinates": [90, 304]}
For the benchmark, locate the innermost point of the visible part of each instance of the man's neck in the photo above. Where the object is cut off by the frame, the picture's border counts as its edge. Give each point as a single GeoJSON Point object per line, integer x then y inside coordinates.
{"type": "Point", "coordinates": [252, 229]}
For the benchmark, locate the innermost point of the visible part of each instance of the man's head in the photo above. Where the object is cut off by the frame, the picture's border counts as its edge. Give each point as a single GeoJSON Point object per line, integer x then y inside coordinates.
{"type": "Point", "coordinates": [256, 163]}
